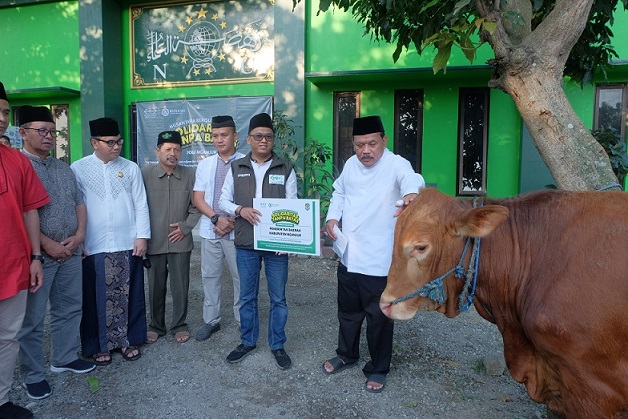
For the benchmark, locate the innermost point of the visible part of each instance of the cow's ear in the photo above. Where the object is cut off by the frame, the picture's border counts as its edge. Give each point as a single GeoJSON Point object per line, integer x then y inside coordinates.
{"type": "Point", "coordinates": [479, 222]}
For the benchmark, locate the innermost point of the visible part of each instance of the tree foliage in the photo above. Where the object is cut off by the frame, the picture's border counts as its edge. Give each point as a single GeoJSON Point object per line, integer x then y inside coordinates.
{"type": "Point", "coordinates": [535, 44]}
{"type": "Point", "coordinates": [445, 24]}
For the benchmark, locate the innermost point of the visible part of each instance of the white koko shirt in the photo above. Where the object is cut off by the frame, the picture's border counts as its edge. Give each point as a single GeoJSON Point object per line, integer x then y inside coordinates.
{"type": "Point", "coordinates": [115, 198]}
{"type": "Point", "coordinates": [364, 200]}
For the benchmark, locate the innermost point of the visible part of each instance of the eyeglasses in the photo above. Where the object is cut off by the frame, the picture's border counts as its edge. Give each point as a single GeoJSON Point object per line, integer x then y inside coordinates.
{"type": "Point", "coordinates": [260, 137]}
{"type": "Point", "coordinates": [43, 131]}
{"type": "Point", "coordinates": [111, 143]}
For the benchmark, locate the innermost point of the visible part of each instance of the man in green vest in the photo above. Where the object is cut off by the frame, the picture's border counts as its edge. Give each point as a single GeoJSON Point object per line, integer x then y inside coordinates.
{"type": "Point", "coordinates": [260, 174]}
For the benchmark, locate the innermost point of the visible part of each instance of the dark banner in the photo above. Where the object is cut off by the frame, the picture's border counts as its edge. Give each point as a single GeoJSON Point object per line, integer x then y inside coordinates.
{"type": "Point", "coordinates": [192, 118]}
{"type": "Point", "coordinates": [202, 43]}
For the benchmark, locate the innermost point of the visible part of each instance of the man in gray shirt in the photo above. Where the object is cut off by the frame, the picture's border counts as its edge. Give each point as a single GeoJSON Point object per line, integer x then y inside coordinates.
{"type": "Point", "coordinates": [173, 215]}
{"type": "Point", "coordinates": [62, 226]}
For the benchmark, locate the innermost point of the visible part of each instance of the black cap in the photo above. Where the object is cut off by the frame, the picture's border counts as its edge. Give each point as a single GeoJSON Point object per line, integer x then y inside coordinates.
{"type": "Point", "coordinates": [104, 127]}
{"type": "Point", "coordinates": [261, 120]}
{"type": "Point", "coordinates": [3, 93]}
{"type": "Point", "coordinates": [169, 137]}
{"type": "Point", "coordinates": [367, 125]}
{"type": "Point", "coordinates": [27, 113]}
{"type": "Point", "coordinates": [222, 121]}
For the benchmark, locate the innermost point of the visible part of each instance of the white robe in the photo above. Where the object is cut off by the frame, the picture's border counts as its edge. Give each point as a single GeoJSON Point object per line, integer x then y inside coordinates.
{"type": "Point", "coordinates": [364, 200]}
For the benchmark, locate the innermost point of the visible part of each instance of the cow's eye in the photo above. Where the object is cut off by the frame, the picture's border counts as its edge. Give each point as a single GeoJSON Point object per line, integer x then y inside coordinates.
{"type": "Point", "coordinates": [420, 248]}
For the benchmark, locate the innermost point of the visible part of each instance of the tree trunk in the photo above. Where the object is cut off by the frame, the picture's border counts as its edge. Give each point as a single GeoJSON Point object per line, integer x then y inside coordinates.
{"type": "Point", "coordinates": [575, 159]}
{"type": "Point", "coordinates": [531, 72]}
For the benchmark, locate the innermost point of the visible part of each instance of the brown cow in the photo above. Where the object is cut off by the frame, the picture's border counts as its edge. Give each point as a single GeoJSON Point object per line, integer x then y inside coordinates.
{"type": "Point", "coordinates": [552, 275]}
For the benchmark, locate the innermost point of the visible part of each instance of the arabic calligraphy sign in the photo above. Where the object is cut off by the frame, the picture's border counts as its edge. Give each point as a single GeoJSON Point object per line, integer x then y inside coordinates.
{"type": "Point", "coordinates": [202, 43]}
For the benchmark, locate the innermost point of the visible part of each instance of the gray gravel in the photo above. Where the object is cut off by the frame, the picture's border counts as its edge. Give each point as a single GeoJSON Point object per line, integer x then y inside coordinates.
{"type": "Point", "coordinates": [437, 369]}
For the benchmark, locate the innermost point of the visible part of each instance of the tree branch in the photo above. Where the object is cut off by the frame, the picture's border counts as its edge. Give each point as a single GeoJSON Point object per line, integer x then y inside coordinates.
{"type": "Point", "coordinates": [559, 32]}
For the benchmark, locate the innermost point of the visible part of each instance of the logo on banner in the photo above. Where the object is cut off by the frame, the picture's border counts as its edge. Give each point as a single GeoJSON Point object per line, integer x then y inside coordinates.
{"type": "Point", "coordinates": [202, 43]}
{"type": "Point", "coordinates": [285, 218]}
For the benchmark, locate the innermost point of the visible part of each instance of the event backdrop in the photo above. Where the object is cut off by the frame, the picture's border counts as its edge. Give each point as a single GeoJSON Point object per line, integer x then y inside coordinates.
{"type": "Point", "coordinates": [202, 43]}
{"type": "Point", "coordinates": [192, 118]}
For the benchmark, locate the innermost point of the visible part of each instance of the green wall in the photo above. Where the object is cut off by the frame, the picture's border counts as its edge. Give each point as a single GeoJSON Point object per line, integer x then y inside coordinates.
{"type": "Point", "coordinates": [357, 51]}
{"type": "Point", "coordinates": [40, 55]}
{"type": "Point", "coordinates": [365, 66]}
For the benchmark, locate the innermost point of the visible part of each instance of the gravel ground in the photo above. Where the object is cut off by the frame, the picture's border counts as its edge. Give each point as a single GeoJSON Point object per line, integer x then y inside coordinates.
{"type": "Point", "coordinates": [437, 369]}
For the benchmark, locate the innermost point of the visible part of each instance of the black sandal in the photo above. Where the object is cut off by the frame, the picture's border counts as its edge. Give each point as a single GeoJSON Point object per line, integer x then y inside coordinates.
{"type": "Point", "coordinates": [102, 355]}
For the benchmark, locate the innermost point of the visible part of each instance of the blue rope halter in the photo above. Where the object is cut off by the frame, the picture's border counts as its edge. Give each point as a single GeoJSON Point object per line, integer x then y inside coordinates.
{"type": "Point", "coordinates": [435, 291]}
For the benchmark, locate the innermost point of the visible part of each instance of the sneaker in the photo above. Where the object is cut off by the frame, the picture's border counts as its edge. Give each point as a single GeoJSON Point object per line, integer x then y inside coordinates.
{"type": "Point", "coordinates": [10, 410]}
{"type": "Point", "coordinates": [78, 366]}
{"type": "Point", "coordinates": [283, 360]}
{"type": "Point", "coordinates": [206, 331]}
{"type": "Point", "coordinates": [37, 391]}
{"type": "Point", "coordinates": [239, 353]}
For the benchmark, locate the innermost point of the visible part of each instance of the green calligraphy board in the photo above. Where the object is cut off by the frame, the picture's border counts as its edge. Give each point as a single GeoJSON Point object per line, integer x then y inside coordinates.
{"type": "Point", "coordinates": [202, 43]}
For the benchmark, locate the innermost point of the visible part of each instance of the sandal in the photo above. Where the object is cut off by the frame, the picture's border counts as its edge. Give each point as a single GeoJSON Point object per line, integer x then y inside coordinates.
{"type": "Point", "coordinates": [151, 337]}
{"type": "Point", "coordinates": [182, 336]}
{"type": "Point", "coordinates": [105, 355]}
{"type": "Point", "coordinates": [126, 353]}
{"type": "Point", "coordinates": [338, 364]}
{"type": "Point", "coordinates": [377, 379]}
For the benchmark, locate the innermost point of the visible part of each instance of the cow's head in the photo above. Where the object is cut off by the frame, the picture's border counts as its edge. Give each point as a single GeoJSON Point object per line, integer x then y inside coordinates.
{"type": "Point", "coordinates": [429, 238]}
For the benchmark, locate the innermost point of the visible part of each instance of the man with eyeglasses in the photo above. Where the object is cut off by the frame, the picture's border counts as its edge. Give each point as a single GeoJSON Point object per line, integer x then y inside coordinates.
{"type": "Point", "coordinates": [21, 194]}
{"type": "Point", "coordinates": [260, 174]}
{"type": "Point", "coordinates": [118, 227]}
{"type": "Point", "coordinates": [62, 227]}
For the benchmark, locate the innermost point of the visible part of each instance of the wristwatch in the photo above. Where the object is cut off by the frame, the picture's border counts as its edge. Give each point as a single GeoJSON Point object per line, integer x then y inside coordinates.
{"type": "Point", "coordinates": [214, 218]}
{"type": "Point", "coordinates": [37, 257]}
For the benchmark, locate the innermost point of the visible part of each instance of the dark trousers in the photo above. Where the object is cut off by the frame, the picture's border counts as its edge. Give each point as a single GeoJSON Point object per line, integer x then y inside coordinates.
{"type": "Point", "coordinates": [177, 266]}
{"type": "Point", "coordinates": [358, 298]}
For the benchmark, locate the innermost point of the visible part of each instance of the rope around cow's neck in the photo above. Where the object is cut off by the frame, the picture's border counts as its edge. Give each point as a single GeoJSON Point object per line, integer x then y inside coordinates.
{"type": "Point", "coordinates": [434, 289]}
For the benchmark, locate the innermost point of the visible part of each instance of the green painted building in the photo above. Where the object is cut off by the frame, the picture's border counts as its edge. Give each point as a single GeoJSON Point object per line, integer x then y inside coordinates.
{"type": "Point", "coordinates": [91, 59]}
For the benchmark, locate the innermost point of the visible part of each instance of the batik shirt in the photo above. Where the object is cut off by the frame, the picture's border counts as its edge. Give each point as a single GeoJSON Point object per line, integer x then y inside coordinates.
{"type": "Point", "coordinates": [58, 219]}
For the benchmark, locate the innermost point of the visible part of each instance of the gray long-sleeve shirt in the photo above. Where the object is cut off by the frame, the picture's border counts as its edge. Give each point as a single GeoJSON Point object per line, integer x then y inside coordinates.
{"type": "Point", "coordinates": [170, 200]}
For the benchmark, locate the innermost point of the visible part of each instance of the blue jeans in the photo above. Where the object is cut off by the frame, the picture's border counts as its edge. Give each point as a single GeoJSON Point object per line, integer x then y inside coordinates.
{"type": "Point", "coordinates": [276, 269]}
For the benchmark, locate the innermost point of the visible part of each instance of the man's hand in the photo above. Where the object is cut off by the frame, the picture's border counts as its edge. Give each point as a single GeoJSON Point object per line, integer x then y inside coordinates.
{"type": "Point", "coordinates": [72, 242]}
{"type": "Point", "coordinates": [329, 228]}
{"type": "Point", "coordinates": [37, 275]}
{"type": "Point", "coordinates": [56, 250]}
{"type": "Point", "coordinates": [251, 215]}
{"type": "Point", "coordinates": [406, 201]}
{"type": "Point", "coordinates": [175, 235]}
{"type": "Point", "coordinates": [139, 247]}
{"type": "Point", "coordinates": [224, 225]}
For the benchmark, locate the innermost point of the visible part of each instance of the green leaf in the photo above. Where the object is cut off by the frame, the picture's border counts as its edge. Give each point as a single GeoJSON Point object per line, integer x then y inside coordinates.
{"type": "Point", "coordinates": [468, 48]}
{"type": "Point", "coordinates": [440, 61]}
{"type": "Point", "coordinates": [93, 383]}
{"type": "Point", "coordinates": [428, 5]}
{"type": "Point", "coordinates": [431, 39]}
{"type": "Point", "coordinates": [460, 5]}
{"type": "Point", "coordinates": [489, 27]}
